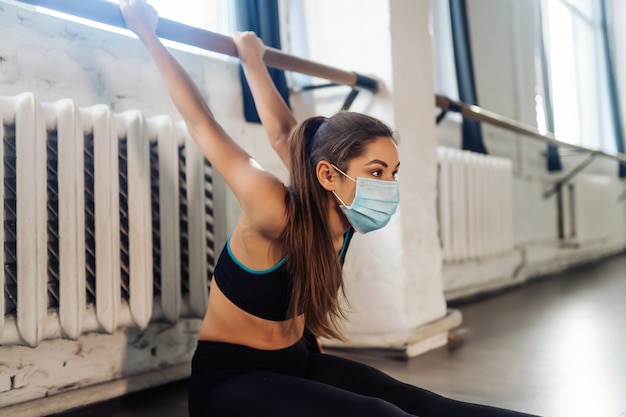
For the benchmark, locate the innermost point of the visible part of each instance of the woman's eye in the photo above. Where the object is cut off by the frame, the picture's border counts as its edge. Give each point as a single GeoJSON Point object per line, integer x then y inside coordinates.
{"type": "Point", "coordinates": [377, 173]}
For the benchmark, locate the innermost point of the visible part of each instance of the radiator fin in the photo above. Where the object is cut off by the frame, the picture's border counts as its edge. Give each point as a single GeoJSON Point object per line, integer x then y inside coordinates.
{"type": "Point", "coordinates": [26, 114]}
{"type": "Point", "coordinates": [166, 206]}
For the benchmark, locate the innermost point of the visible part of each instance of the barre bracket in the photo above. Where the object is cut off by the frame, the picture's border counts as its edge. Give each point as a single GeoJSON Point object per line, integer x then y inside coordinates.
{"type": "Point", "coordinates": [347, 102]}
{"type": "Point", "coordinates": [563, 181]}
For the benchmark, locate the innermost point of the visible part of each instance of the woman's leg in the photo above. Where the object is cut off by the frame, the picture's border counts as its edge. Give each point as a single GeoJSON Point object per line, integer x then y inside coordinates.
{"type": "Point", "coordinates": [359, 378]}
{"type": "Point", "coordinates": [270, 394]}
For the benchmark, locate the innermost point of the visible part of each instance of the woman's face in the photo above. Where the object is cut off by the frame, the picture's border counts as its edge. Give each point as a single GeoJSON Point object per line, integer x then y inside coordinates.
{"type": "Point", "coordinates": [379, 161]}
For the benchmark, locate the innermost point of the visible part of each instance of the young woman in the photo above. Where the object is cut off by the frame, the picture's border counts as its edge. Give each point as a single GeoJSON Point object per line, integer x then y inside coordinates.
{"type": "Point", "coordinates": [280, 270]}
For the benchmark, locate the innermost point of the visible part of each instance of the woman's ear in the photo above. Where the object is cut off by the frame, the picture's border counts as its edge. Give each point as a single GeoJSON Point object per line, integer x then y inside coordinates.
{"type": "Point", "coordinates": [326, 175]}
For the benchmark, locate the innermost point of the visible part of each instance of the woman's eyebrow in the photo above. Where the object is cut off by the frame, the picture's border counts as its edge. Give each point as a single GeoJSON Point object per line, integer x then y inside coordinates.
{"type": "Point", "coordinates": [378, 161]}
{"type": "Point", "coordinates": [383, 163]}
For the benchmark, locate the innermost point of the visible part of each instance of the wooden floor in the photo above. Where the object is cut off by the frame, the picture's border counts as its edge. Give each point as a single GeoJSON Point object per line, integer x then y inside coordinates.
{"type": "Point", "coordinates": [553, 347]}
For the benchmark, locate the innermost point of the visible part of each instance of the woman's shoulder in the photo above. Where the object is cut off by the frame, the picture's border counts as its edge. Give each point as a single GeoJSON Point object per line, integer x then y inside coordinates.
{"type": "Point", "coordinates": [262, 197]}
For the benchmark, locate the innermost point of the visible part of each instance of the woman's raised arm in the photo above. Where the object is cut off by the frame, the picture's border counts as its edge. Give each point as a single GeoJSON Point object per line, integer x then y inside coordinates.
{"type": "Point", "coordinates": [274, 113]}
{"type": "Point", "coordinates": [251, 184]}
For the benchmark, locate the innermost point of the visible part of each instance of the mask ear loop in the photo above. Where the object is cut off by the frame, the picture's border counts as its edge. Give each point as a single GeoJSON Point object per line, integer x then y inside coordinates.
{"type": "Point", "coordinates": [343, 173]}
{"type": "Point", "coordinates": [340, 200]}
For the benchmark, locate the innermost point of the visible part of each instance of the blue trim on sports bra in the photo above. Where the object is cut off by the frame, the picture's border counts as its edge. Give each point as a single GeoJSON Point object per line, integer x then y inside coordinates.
{"type": "Point", "coordinates": [253, 271]}
{"type": "Point", "coordinates": [344, 246]}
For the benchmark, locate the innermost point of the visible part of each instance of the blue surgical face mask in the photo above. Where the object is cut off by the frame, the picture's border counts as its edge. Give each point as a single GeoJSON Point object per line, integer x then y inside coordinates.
{"type": "Point", "coordinates": [375, 201]}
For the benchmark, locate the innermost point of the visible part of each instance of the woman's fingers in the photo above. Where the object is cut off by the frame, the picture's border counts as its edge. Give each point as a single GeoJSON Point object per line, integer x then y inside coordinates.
{"type": "Point", "coordinates": [140, 17]}
{"type": "Point", "coordinates": [249, 46]}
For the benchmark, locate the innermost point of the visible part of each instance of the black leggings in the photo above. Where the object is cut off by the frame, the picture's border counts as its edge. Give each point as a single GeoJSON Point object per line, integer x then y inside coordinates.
{"type": "Point", "coordinates": [232, 380]}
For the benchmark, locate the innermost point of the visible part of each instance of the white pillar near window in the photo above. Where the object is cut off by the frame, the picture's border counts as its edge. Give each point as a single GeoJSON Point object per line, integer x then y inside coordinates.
{"type": "Point", "coordinates": [393, 276]}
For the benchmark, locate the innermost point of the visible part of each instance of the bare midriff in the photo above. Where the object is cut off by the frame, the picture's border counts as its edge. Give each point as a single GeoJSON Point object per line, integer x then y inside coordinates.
{"type": "Point", "coordinates": [225, 322]}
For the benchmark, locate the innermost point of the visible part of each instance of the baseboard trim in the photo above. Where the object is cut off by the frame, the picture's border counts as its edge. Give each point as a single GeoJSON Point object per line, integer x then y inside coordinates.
{"type": "Point", "coordinates": [96, 393]}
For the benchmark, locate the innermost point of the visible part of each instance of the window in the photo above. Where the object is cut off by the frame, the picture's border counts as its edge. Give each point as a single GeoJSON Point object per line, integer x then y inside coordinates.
{"type": "Point", "coordinates": [578, 74]}
{"type": "Point", "coordinates": [443, 51]}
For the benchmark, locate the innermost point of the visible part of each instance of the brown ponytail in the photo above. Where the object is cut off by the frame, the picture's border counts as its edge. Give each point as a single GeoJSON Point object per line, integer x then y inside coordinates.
{"type": "Point", "coordinates": [312, 260]}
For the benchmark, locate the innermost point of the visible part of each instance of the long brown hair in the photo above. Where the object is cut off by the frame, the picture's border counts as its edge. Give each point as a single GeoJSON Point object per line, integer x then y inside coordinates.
{"type": "Point", "coordinates": [312, 261]}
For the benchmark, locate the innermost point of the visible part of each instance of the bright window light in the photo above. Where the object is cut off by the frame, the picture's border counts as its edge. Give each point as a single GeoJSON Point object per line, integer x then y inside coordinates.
{"type": "Point", "coordinates": [212, 15]}
{"type": "Point", "coordinates": [578, 74]}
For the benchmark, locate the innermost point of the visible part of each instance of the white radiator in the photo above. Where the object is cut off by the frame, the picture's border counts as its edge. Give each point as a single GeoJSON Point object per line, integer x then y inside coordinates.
{"type": "Point", "coordinates": [108, 221]}
{"type": "Point", "coordinates": [475, 205]}
{"type": "Point", "coordinates": [588, 209]}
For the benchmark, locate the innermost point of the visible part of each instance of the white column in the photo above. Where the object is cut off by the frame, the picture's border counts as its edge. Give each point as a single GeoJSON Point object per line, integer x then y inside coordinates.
{"type": "Point", "coordinates": [393, 276]}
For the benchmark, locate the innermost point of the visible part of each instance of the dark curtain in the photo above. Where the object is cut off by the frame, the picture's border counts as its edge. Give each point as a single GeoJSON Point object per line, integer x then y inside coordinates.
{"type": "Point", "coordinates": [472, 134]}
{"type": "Point", "coordinates": [612, 84]}
{"type": "Point", "coordinates": [261, 17]}
{"type": "Point", "coordinates": [553, 161]}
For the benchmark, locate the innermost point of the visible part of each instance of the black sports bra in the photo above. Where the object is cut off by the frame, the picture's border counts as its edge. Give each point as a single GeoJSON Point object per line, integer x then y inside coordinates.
{"type": "Point", "coordinates": [262, 293]}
